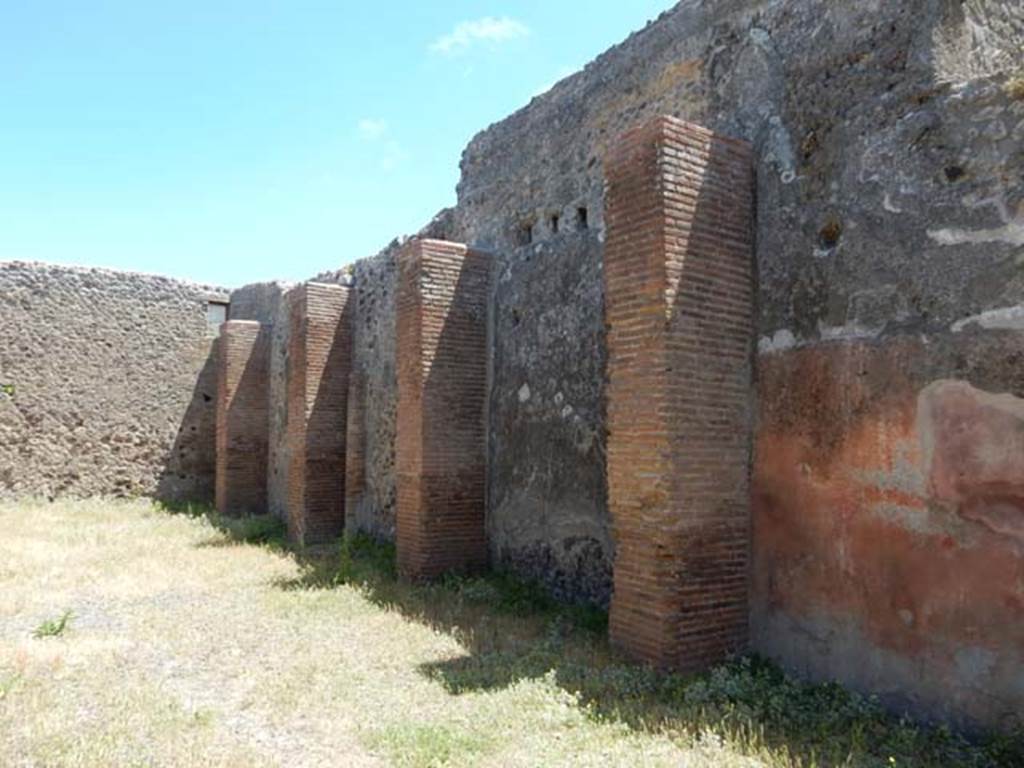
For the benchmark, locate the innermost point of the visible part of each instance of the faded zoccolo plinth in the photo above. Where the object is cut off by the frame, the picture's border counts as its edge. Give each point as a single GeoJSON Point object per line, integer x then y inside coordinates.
{"type": "Point", "coordinates": [243, 369]}
{"type": "Point", "coordinates": [678, 278]}
{"type": "Point", "coordinates": [442, 384]}
{"type": "Point", "coordinates": [319, 361]}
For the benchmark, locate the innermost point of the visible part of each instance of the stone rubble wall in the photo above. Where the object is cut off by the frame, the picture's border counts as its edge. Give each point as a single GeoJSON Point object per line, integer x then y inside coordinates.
{"type": "Point", "coordinates": [547, 512]}
{"type": "Point", "coordinates": [889, 211]}
{"type": "Point", "coordinates": [109, 386]}
{"type": "Point", "coordinates": [371, 495]}
{"type": "Point", "coordinates": [888, 142]}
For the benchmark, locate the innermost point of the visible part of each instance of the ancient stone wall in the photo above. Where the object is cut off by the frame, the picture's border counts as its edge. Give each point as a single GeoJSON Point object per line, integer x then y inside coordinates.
{"type": "Point", "coordinates": [547, 514]}
{"type": "Point", "coordinates": [373, 401]}
{"type": "Point", "coordinates": [886, 134]}
{"type": "Point", "coordinates": [889, 233]}
{"type": "Point", "coordinates": [890, 181]}
{"type": "Point", "coordinates": [108, 384]}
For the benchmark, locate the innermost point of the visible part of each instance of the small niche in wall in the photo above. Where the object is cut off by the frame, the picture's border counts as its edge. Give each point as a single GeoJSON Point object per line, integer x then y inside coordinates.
{"type": "Point", "coordinates": [582, 221]}
{"type": "Point", "coordinates": [524, 236]}
{"type": "Point", "coordinates": [216, 315]}
{"type": "Point", "coordinates": [555, 220]}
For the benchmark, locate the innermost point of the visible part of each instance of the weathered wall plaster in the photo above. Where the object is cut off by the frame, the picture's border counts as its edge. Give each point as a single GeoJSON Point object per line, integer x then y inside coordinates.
{"type": "Point", "coordinates": [889, 520]}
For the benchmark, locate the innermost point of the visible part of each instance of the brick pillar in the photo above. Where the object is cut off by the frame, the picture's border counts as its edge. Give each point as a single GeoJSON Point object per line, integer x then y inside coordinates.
{"type": "Point", "coordinates": [319, 360]}
{"type": "Point", "coordinates": [243, 378]}
{"type": "Point", "coordinates": [442, 383]}
{"type": "Point", "coordinates": [679, 296]}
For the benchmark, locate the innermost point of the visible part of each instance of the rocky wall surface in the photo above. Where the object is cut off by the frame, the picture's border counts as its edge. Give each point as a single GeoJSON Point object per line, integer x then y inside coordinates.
{"type": "Point", "coordinates": [373, 400]}
{"type": "Point", "coordinates": [547, 500]}
{"type": "Point", "coordinates": [108, 384]}
{"type": "Point", "coordinates": [889, 141]}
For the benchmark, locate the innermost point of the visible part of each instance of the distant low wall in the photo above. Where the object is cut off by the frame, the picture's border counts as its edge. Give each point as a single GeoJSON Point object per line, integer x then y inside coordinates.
{"type": "Point", "coordinates": [109, 387]}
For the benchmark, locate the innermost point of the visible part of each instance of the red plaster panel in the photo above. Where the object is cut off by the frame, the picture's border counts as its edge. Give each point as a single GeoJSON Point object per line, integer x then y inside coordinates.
{"type": "Point", "coordinates": [887, 509]}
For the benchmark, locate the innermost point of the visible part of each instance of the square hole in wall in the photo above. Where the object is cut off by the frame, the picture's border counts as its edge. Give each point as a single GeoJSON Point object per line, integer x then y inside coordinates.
{"type": "Point", "coordinates": [582, 219]}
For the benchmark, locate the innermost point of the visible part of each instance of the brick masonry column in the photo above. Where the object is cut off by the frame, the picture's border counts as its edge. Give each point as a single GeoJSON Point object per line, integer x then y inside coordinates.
{"type": "Point", "coordinates": [243, 378]}
{"type": "Point", "coordinates": [442, 382]}
{"type": "Point", "coordinates": [679, 307]}
{"type": "Point", "coordinates": [319, 361]}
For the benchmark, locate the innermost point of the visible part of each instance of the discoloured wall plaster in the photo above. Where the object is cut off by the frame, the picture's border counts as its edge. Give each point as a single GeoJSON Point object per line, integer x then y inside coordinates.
{"type": "Point", "coordinates": [887, 519]}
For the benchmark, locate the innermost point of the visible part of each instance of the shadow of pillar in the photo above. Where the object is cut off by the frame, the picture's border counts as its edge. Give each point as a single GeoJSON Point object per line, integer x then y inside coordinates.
{"type": "Point", "coordinates": [442, 383]}
{"type": "Point", "coordinates": [189, 468]}
{"type": "Point", "coordinates": [243, 372]}
{"type": "Point", "coordinates": [679, 279]}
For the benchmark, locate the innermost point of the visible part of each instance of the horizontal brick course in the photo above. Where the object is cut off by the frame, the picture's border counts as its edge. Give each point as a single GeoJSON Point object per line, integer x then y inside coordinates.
{"type": "Point", "coordinates": [679, 297]}
{"type": "Point", "coordinates": [442, 380]}
{"type": "Point", "coordinates": [243, 371]}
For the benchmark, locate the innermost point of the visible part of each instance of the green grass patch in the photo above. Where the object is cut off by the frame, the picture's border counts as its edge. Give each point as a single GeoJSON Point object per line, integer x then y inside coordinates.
{"type": "Point", "coordinates": [412, 745]}
{"type": "Point", "coordinates": [192, 509]}
{"type": "Point", "coordinates": [53, 627]}
{"type": "Point", "coordinates": [515, 631]}
{"type": "Point", "coordinates": [364, 559]}
{"type": "Point", "coordinates": [263, 530]}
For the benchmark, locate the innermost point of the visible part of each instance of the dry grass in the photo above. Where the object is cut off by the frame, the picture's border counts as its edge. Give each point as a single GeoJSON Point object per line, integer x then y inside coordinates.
{"type": "Point", "coordinates": [188, 647]}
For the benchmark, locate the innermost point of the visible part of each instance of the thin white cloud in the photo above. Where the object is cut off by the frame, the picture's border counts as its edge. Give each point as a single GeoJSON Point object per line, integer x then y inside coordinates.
{"type": "Point", "coordinates": [393, 156]}
{"type": "Point", "coordinates": [486, 30]}
{"type": "Point", "coordinates": [378, 133]}
{"type": "Point", "coordinates": [372, 130]}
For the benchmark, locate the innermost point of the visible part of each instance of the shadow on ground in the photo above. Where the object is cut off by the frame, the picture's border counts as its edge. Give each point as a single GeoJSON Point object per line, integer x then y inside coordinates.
{"type": "Point", "coordinates": [512, 631]}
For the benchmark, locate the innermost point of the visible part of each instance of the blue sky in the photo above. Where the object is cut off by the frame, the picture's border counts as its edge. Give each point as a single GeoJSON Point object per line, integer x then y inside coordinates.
{"type": "Point", "coordinates": [228, 142]}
